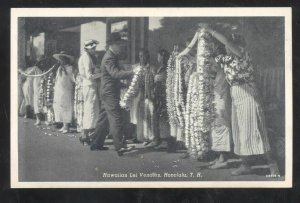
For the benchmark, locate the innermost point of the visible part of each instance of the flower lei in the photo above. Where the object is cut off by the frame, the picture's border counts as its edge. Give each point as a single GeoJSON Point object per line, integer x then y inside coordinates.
{"type": "Point", "coordinates": [133, 89]}
{"type": "Point", "coordinates": [179, 101]}
{"type": "Point", "coordinates": [170, 88]}
{"type": "Point", "coordinates": [200, 109]}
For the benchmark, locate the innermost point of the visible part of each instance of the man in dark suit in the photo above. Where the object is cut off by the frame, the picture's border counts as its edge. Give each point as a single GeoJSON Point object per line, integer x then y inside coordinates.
{"type": "Point", "coordinates": [111, 114]}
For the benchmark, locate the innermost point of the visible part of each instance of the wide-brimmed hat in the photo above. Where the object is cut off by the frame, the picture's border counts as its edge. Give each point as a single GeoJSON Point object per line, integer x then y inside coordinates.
{"type": "Point", "coordinates": [62, 56]}
{"type": "Point", "coordinates": [91, 43]}
{"type": "Point", "coordinates": [114, 38]}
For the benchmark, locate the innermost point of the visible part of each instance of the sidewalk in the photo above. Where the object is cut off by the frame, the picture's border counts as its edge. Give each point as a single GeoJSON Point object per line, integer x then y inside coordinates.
{"type": "Point", "coordinates": [46, 155]}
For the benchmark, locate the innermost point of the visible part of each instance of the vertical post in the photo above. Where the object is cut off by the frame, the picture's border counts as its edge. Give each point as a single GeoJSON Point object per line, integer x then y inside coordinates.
{"type": "Point", "coordinates": [144, 29]}
{"type": "Point", "coordinates": [21, 43]}
{"type": "Point", "coordinates": [133, 38]}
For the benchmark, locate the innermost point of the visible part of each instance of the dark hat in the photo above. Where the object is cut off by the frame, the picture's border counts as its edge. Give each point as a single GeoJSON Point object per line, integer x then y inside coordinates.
{"type": "Point", "coordinates": [62, 56]}
{"type": "Point", "coordinates": [114, 37]}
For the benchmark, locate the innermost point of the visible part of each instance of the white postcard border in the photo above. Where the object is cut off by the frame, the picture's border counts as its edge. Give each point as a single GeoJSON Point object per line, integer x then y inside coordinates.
{"type": "Point", "coordinates": [153, 12]}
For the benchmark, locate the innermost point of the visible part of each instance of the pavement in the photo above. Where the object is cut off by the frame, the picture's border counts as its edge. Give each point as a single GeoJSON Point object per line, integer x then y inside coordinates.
{"type": "Point", "coordinates": [46, 155]}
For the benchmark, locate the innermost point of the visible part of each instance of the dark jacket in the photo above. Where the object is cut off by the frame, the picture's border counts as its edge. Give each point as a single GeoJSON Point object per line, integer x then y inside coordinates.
{"type": "Point", "coordinates": [111, 74]}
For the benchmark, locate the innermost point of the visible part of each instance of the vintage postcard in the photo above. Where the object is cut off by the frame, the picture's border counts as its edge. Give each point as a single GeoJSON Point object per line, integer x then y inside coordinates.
{"type": "Point", "coordinates": [151, 98]}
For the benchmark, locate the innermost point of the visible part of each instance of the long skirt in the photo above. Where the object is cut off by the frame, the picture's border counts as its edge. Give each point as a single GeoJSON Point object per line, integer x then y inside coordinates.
{"type": "Point", "coordinates": [220, 133]}
{"type": "Point", "coordinates": [150, 121]}
{"type": "Point", "coordinates": [21, 100]}
{"type": "Point", "coordinates": [176, 132]}
{"type": "Point", "coordinates": [138, 117]}
{"type": "Point", "coordinates": [134, 110]}
{"type": "Point", "coordinates": [248, 121]}
{"type": "Point", "coordinates": [63, 100]}
{"type": "Point", "coordinates": [36, 95]}
{"type": "Point", "coordinates": [28, 91]}
{"type": "Point", "coordinates": [90, 106]}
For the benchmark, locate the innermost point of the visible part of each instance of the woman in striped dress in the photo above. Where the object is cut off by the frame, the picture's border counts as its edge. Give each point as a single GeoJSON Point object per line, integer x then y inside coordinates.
{"type": "Point", "coordinates": [248, 121]}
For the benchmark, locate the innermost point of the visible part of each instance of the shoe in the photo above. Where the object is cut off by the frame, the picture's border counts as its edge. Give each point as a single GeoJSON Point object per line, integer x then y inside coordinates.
{"type": "Point", "coordinates": [219, 165]}
{"type": "Point", "coordinates": [60, 130]}
{"type": "Point", "coordinates": [86, 140]}
{"type": "Point", "coordinates": [132, 141]}
{"type": "Point", "coordinates": [242, 170]}
{"type": "Point", "coordinates": [152, 144]}
{"type": "Point", "coordinates": [98, 148]}
{"type": "Point", "coordinates": [65, 131]}
{"type": "Point", "coordinates": [124, 150]}
{"type": "Point", "coordinates": [146, 143]}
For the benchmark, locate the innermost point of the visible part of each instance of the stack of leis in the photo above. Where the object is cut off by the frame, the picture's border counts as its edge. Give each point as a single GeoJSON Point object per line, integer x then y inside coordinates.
{"type": "Point", "coordinates": [178, 93]}
{"type": "Point", "coordinates": [133, 88]}
{"type": "Point", "coordinates": [200, 107]}
{"type": "Point", "coordinates": [170, 87]}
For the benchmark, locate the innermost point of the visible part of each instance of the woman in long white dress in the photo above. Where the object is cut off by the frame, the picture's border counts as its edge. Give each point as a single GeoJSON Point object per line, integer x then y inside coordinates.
{"type": "Point", "coordinates": [31, 91]}
{"type": "Point", "coordinates": [142, 110]}
{"type": "Point", "coordinates": [63, 91]}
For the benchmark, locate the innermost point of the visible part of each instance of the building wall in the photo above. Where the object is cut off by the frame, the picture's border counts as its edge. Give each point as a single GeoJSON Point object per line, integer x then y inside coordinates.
{"type": "Point", "coordinates": [93, 30]}
{"type": "Point", "coordinates": [64, 41]}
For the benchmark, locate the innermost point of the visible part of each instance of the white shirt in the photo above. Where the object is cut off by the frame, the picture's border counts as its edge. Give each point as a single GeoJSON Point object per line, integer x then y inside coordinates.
{"type": "Point", "coordinates": [86, 69]}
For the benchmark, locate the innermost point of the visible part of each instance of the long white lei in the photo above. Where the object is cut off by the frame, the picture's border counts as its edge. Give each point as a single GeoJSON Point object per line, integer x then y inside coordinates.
{"type": "Point", "coordinates": [133, 88]}
{"type": "Point", "coordinates": [170, 88]}
{"type": "Point", "coordinates": [199, 109]}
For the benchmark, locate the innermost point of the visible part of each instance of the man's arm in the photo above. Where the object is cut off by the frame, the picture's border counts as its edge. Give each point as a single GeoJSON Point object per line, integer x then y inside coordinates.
{"type": "Point", "coordinates": [114, 70]}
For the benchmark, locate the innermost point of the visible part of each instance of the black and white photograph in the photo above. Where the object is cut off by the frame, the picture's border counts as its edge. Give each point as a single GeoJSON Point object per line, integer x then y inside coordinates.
{"type": "Point", "coordinates": [151, 98]}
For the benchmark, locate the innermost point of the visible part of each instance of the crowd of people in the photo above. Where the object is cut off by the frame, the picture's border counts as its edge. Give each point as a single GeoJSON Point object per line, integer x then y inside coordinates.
{"type": "Point", "coordinates": [87, 95]}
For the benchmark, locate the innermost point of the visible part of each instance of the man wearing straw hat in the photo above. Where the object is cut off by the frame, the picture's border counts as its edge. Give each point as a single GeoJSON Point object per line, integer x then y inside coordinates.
{"type": "Point", "coordinates": [87, 71]}
{"type": "Point", "coordinates": [111, 74]}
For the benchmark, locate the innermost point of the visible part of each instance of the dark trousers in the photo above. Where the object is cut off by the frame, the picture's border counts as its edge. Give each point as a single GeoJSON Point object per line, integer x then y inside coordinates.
{"type": "Point", "coordinates": [110, 121]}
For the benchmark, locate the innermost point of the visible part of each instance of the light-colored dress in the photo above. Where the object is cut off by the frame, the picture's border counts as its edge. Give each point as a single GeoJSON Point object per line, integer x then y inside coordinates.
{"type": "Point", "coordinates": [150, 122]}
{"type": "Point", "coordinates": [161, 104]}
{"type": "Point", "coordinates": [248, 120]}
{"type": "Point", "coordinates": [28, 87]}
{"type": "Point", "coordinates": [63, 94]}
{"type": "Point", "coordinates": [221, 129]}
{"type": "Point", "coordinates": [137, 110]}
{"type": "Point", "coordinates": [142, 110]}
{"type": "Point", "coordinates": [90, 91]}
{"type": "Point", "coordinates": [31, 89]}
{"type": "Point", "coordinates": [21, 101]}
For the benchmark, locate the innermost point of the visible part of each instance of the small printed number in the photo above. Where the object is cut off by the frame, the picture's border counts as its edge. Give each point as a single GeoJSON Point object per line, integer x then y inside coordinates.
{"type": "Point", "coordinates": [273, 176]}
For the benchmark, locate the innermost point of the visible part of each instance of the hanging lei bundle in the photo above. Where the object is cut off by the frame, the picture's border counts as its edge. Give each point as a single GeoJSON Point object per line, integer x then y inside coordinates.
{"type": "Point", "coordinates": [42, 95]}
{"type": "Point", "coordinates": [50, 88]}
{"type": "Point", "coordinates": [170, 88]}
{"type": "Point", "coordinates": [178, 93]}
{"type": "Point", "coordinates": [133, 88]}
{"type": "Point", "coordinates": [200, 101]}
